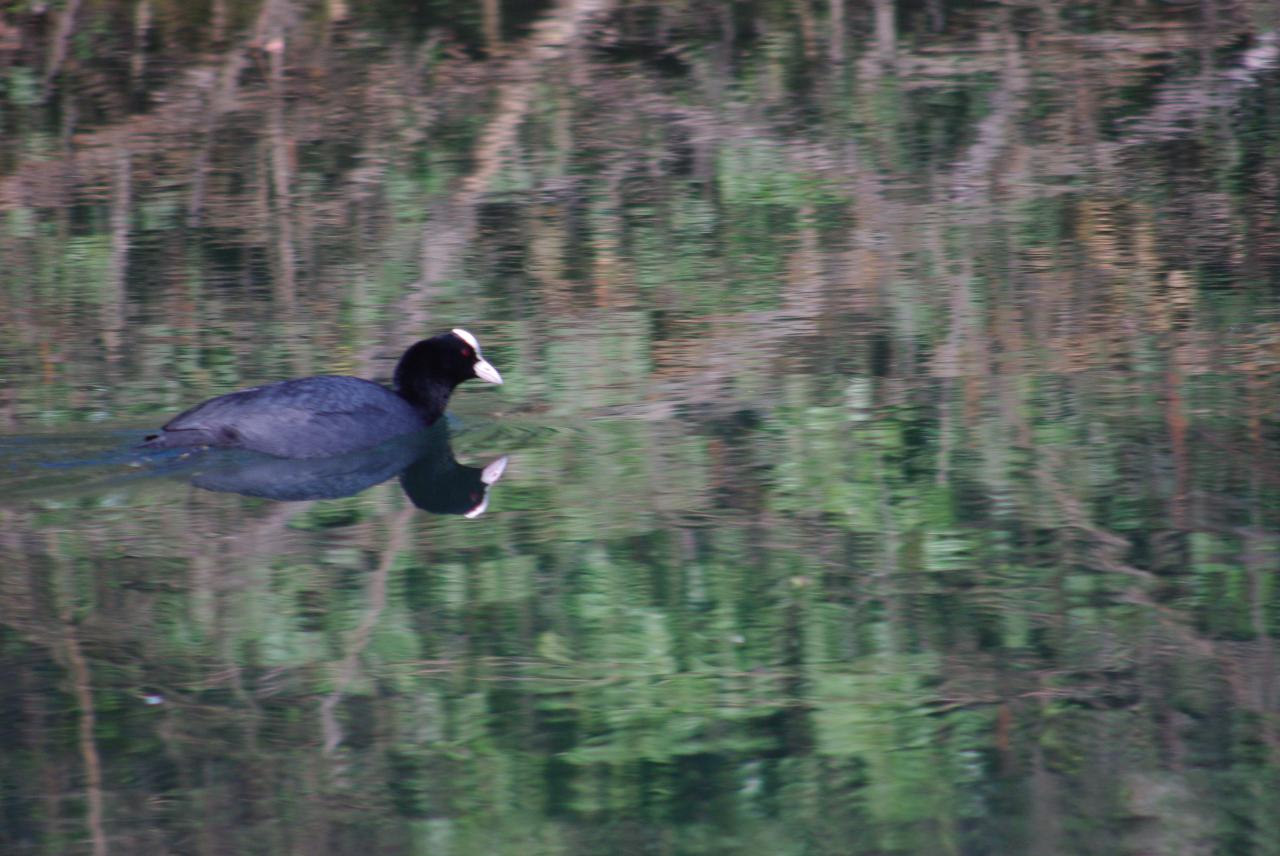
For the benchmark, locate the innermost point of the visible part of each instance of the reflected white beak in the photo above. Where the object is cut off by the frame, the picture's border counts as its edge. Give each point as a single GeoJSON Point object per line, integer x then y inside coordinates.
{"type": "Point", "coordinates": [479, 509]}
{"type": "Point", "coordinates": [488, 476]}
{"type": "Point", "coordinates": [487, 372]}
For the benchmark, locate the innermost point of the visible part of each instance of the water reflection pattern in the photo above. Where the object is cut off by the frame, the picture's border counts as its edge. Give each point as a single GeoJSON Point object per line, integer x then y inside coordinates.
{"type": "Point", "coordinates": [891, 411]}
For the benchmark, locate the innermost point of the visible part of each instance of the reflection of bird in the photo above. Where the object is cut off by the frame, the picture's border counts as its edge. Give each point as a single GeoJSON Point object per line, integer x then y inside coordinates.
{"type": "Point", "coordinates": [318, 417]}
{"type": "Point", "coordinates": [439, 484]}
{"type": "Point", "coordinates": [429, 474]}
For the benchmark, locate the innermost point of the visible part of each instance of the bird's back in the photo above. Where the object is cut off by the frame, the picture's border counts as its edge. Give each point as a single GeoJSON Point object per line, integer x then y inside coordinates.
{"type": "Point", "coordinates": [308, 418]}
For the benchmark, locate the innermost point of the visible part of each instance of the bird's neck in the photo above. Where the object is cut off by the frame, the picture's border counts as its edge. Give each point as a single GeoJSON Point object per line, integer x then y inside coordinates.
{"type": "Point", "coordinates": [429, 399]}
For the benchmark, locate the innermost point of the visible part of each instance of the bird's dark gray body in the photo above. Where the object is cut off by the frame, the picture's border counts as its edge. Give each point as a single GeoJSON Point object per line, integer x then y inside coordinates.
{"type": "Point", "coordinates": [318, 417]}
{"type": "Point", "coordinates": [335, 414]}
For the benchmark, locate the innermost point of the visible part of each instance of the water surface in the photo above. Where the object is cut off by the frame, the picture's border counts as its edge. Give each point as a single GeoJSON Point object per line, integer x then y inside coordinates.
{"type": "Point", "coordinates": [889, 425]}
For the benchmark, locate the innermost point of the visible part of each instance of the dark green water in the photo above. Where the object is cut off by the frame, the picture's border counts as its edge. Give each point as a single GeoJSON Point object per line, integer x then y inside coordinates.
{"type": "Point", "coordinates": [892, 463]}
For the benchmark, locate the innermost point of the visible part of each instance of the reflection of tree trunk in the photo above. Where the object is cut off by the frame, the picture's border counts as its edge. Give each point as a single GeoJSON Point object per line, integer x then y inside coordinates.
{"type": "Point", "coordinates": [282, 209]}
{"type": "Point", "coordinates": [359, 639]}
{"type": "Point", "coordinates": [138, 61]}
{"type": "Point", "coordinates": [806, 286]}
{"type": "Point", "coordinates": [1046, 813]}
{"type": "Point", "coordinates": [88, 747]}
{"type": "Point", "coordinates": [890, 582]}
{"type": "Point", "coordinates": [1176, 421]}
{"type": "Point", "coordinates": [218, 21]}
{"type": "Point", "coordinates": [222, 96]}
{"type": "Point", "coordinates": [1207, 33]}
{"type": "Point", "coordinates": [835, 44]}
{"type": "Point", "coordinates": [607, 238]}
{"type": "Point", "coordinates": [61, 40]}
{"type": "Point", "coordinates": [937, 13]}
{"type": "Point", "coordinates": [886, 36]}
{"type": "Point", "coordinates": [81, 684]}
{"type": "Point", "coordinates": [945, 428]}
{"type": "Point", "coordinates": [1258, 556]}
{"type": "Point", "coordinates": [808, 29]}
{"type": "Point", "coordinates": [113, 301]}
{"type": "Point", "coordinates": [492, 12]}
{"type": "Point", "coordinates": [34, 722]}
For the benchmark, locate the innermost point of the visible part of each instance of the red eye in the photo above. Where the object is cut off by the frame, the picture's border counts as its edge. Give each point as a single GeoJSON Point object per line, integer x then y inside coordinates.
{"type": "Point", "coordinates": [467, 352]}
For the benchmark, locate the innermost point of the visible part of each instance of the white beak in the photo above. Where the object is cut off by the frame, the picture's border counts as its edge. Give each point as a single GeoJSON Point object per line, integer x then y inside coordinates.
{"type": "Point", "coordinates": [494, 471]}
{"type": "Point", "coordinates": [487, 372]}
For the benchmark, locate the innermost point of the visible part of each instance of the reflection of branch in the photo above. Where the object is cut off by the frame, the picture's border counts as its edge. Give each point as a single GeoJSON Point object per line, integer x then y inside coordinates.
{"type": "Point", "coordinates": [997, 132]}
{"type": "Point", "coordinates": [82, 685]}
{"type": "Point", "coordinates": [359, 638]}
{"type": "Point", "coordinates": [220, 99]}
{"type": "Point", "coordinates": [1178, 104]}
{"type": "Point", "coordinates": [88, 748]}
{"type": "Point", "coordinates": [552, 37]}
{"type": "Point", "coordinates": [452, 224]}
{"type": "Point", "coordinates": [1108, 547]}
{"type": "Point", "coordinates": [1183, 101]}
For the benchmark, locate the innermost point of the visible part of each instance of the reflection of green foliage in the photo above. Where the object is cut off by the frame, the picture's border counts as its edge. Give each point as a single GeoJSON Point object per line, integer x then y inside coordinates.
{"type": "Point", "coordinates": [848, 512]}
{"type": "Point", "coordinates": [331, 513]}
{"type": "Point", "coordinates": [23, 87]}
{"type": "Point", "coordinates": [754, 174]}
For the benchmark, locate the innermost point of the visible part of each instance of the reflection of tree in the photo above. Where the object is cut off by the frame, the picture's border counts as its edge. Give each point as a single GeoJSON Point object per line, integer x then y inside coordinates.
{"type": "Point", "coordinates": [904, 445]}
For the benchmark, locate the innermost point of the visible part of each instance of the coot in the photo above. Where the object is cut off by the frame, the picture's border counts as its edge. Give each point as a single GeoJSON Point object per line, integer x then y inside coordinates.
{"type": "Point", "coordinates": [315, 417]}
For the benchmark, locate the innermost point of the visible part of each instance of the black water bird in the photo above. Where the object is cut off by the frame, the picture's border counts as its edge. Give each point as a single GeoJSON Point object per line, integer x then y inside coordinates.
{"type": "Point", "coordinates": [328, 415]}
